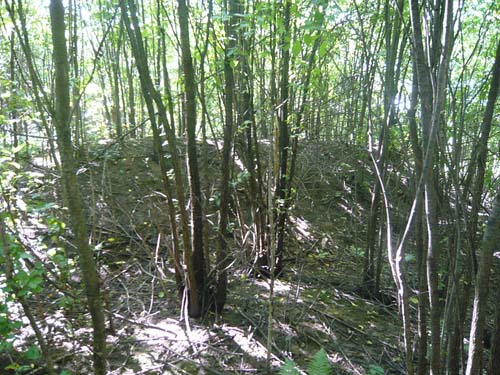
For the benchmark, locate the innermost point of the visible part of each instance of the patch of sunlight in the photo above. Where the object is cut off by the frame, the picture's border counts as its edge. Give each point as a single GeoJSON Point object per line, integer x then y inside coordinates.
{"type": "Point", "coordinates": [173, 331]}
{"type": "Point", "coordinates": [246, 342]}
{"type": "Point", "coordinates": [280, 287]}
{"type": "Point", "coordinates": [239, 163]}
{"type": "Point", "coordinates": [42, 161]}
{"type": "Point", "coordinates": [144, 360]}
{"type": "Point", "coordinates": [302, 227]}
{"type": "Point", "coordinates": [104, 142]}
{"type": "Point", "coordinates": [219, 144]}
{"type": "Point", "coordinates": [346, 209]}
{"type": "Point", "coordinates": [286, 329]}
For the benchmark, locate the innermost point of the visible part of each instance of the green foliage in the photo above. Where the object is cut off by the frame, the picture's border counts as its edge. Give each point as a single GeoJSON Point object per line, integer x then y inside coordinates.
{"type": "Point", "coordinates": [16, 203]}
{"type": "Point", "coordinates": [19, 369]}
{"type": "Point", "coordinates": [33, 354]}
{"type": "Point", "coordinates": [319, 365]}
{"type": "Point", "coordinates": [7, 325]}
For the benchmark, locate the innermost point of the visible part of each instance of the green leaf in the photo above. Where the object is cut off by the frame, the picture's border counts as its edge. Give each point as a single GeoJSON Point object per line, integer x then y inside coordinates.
{"type": "Point", "coordinates": [289, 368]}
{"type": "Point", "coordinates": [13, 366]}
{"type": "Point", "coordinates": [297, 47]}
{"type": "Point", "coordinates": [309, 39]}
{"type": "Point", "coordinates": [320, 364]}
{"type": "Point", "coordinates": [35, 282]}
{"type": "Point", "coordinates": [33, 353]}
{"type": "Point", "coordinates": [322, 50]}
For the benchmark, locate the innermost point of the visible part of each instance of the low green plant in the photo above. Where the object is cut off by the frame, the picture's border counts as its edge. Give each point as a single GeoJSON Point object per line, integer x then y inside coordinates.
{"type": "Point", "coordinates": [319, 365]}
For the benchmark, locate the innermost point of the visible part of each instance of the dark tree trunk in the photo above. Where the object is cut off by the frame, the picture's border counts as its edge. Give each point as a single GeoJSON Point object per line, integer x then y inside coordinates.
{"type": "Point", "coordinates": [226, 167]}
{"type": "Point", "coordinates": [283, 140]}
{"type": "Point", "coordinates": [198, 261]}
{"type": "Point", "coordinates": [152, 97]}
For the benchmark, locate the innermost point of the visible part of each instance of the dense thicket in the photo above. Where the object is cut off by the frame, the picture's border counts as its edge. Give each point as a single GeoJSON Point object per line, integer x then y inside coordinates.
{"type": "Point", "coordinates": [412, 84]}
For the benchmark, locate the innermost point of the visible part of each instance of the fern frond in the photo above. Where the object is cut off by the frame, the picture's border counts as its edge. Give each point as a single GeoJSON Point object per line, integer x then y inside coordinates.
{"type": "Point", "coordinates": [320, 364]}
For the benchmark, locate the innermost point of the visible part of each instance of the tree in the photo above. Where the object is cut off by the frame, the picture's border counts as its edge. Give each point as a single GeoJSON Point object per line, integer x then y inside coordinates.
{"type": "Point", "coordinates": [197, 260]}
{"type": "Point", "coordinates": [324, 126]}
{"type": "Point", "coordinates": [283, 136]}
{"type": "Point", "coordinates": [432, 98]}
{"type": "Point", "coordinates": [61, 118]}
{"type": "Point", "coordinates": [491, 235]}
{"type": "Point", "coordinates": [222, 251]}
{"type": "Point", "coordinates": [152, 98]}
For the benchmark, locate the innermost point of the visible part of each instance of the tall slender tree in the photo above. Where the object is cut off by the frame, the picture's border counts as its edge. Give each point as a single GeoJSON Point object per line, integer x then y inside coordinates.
{"type": "Point", "coordinates": [62, 121]}
{"type": "Point", "coordinates": [222, 253]}
{"type": "Point", "coordinates": [283, 136]}
{"type": "Point", "coordinates": [153, 98]}
{"type": "Point", "coordinates": [198, 260]}
{"type": "Point", "coordinates": [432, 82]}
{"type": "Point", "coordinates": [492, 233]}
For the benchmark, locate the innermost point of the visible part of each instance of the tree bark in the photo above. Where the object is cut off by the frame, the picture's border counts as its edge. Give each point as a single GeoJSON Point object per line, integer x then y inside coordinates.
{"type": "Point", "coordinates": [152, 97]}
{"type": "Point", "coordinates": [198, 261]}
{"type": "Point", "coordinates": [71, 188]}
{"type": "Point", "coordinates": [283, 140]}
{"type": "Point", "coordinates": [431, 85]}
{"type": "Point", "coordinates": [491, 238]}
{"type": "Point", "coordinates": [226, 167]}
{"type": "Point", "coordinates": [490, 242]}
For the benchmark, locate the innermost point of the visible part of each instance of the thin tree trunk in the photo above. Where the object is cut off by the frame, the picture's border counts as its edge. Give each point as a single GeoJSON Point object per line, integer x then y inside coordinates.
{"type": "Point", "coordinates": [226, 167]}
{"type": "Point", "coordinates": [77, 112]}
{"type": "Point", "coordinates": [39, 95]}
{"type": "Point", "coordinates": [494, 363]}
{"type": "Point", "coordinates": [70, 183]}
{"type": "Point", "coordinates": [484, 263]}
{"type": "Point", "coordinates": [251, 149]}
{"type": "Point", "coordinates": [131, 96]}
{"type": "Point", "coordinates": [13, 112]}
{"type": "Point", "coordinates": [490, 242]}
{"type": "Point", "coordinates": [432, 95]}
{"type": "Point", "coordinates": [151, 97]}
{"type": "Point", "coordinates": [283, 140]}
{"type": "Point", "coordinates": [198, 260]}
{"type": "Point", "coordinates": [419, 233]}
{"type": "Point", "coordinates": [393, 33]}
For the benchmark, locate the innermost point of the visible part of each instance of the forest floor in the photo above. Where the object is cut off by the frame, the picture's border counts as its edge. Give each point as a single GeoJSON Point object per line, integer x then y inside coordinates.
{"type": "Point", "coordinates": [315, 301]}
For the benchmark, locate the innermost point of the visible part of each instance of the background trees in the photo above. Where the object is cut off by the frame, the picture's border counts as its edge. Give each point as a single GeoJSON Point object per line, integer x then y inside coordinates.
{"type": "Point", "coordinates": [408, 88]}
